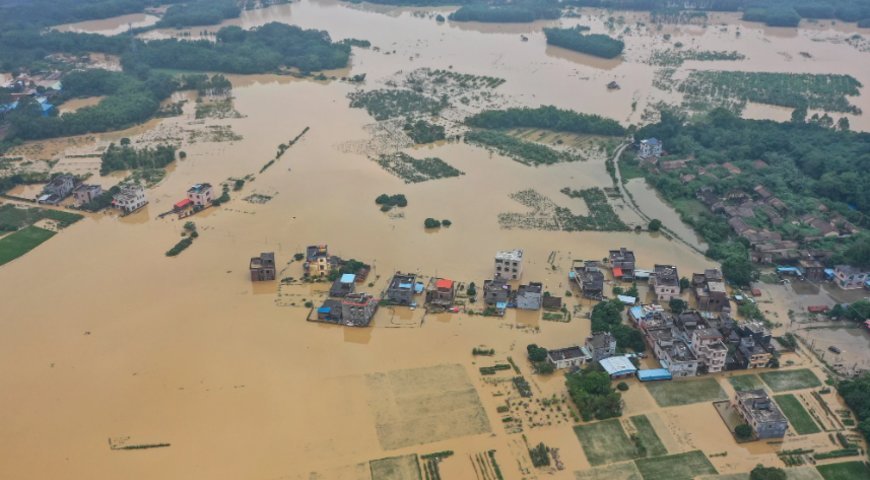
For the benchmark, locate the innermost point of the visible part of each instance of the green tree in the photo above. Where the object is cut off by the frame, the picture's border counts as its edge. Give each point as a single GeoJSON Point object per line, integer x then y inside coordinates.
{"type": "Point", "coordinates": [677, 305]}
{"type": "Point", "coordinates": [743, 431]}
{"type": "Point", "coordinates": [737, 270]}
{"type": "Point", "coordinates": [684, 283]}
{"type": "Point", "coordinates": [472, 290]}
{"type": "Point", "coordinates": [536, 353]}
{"type": "Point", "coordinates": [761, 472]}
{"type": "Point", "coordinates": [655, 225]}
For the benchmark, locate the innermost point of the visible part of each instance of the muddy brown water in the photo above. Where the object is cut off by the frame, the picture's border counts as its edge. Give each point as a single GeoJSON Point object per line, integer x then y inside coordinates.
{"type": "Point", "coordinates": [106, 338]}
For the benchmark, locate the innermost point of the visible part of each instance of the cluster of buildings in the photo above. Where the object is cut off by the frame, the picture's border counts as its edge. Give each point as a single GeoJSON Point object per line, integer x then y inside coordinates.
{"type": "Point", "coordinates": [345, 305]}
{"type": "Point", "coordinates": [128, 199]}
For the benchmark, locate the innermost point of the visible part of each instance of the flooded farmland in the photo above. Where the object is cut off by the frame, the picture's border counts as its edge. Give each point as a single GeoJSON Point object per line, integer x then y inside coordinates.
{"type": "Point", "coordinates": [106, 341]}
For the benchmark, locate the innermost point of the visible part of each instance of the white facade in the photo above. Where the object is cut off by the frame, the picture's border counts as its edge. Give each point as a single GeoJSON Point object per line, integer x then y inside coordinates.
{"type": "Point", "coordinates": [509, 264]}
{"type": "Point", "coordinates": [200, 194]}
{"type": "Point", "coordinates": [130, 198]}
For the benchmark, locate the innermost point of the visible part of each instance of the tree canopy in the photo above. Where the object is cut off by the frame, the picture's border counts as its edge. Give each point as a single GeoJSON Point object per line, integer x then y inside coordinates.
{"type": "Point", "coordinates": [546, 117]}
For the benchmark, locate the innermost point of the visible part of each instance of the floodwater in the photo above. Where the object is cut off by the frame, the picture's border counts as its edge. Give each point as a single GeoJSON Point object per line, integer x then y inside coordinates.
{"type": "Point", "coordinates": [106, 339]}
{"type": "Point", "coordinates": [110, 26]}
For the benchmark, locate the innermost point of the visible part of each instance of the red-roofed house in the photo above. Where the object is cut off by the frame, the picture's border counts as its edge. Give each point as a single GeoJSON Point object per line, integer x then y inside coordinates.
{"type": "Point", "coordinates": [182, 204]}
{"type": "Point", "coordinates": [440, 293]}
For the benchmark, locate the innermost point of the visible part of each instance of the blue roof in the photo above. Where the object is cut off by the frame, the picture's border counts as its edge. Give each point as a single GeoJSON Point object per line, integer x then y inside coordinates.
{"type": "Point", "coordinates": [787, 269]}
{"type": "Point", "coordinates": [571, 275]}
{"type": "Point", "coordinates": [626, 299]}
{"type": "Point", "coordinates": [405, 285]}
{"type": "Point", "coordinates": [9, 106]}
{"type": "Point", "coordinates": [348, 278]}
{"type": "Point", "coordinates": [418, 287]}
{"type": "Point", "coordinates": [654, 374]}
{"type": "Point", "coordinates": [324, 310]}
{"type": "Point", "coordinates": [636, 312]}
{"type": "Point", "coordinates": [501, 305]}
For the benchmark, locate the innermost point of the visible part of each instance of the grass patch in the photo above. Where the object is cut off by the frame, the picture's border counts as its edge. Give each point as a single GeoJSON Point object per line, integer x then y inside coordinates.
{"type": "Point", "coordinates": [602, 217]}
{"type": "Point", "coordinates": [682, 466]}
{"type": "Point", "coordinates": [619, 471]}
{"type": "Point", "coordinates": [783, 380]}
{"type": "Point", "coordinates": [648, 437]}
{"type": "Point", "coordinates": [386, 104]}
{"type": "Point", "coordinates": [18, 243]}
{"type": "Point", "coordinates": [14, 216]}
{"type": "Point", "coordinates": [844, 471]}
{"type": "Point", "coordinates": [414, 170]}
{"type": "Point", "coordinates": [743, 383]}
{"type": "Point", "coordinates": [797, 416]}
{"type": "Point", "coordinates": [395, 468]}
{"type": "Point", "coordinates": [605, 442]}
{"type": "Point", "coordinates": [669, 394]}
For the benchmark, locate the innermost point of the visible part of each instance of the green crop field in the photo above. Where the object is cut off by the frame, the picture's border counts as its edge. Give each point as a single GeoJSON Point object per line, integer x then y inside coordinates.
{"type": "Point", "coordinates": [783, 380]}
{"type": "Point", "coordinates": [844, 471]}
{"type": "Point", "coordinates": [605, 442]}
{"type": "Point", "coordinates": [648, 437]}
{"type": "Point", "coordinates": [682, 466]}
{"type": "Point", "coordinates": [742, 383]}
{"type": "Point", "coordinates": [673, 393]}
{"type": "Point", "coordinates": [797, 416]}
{"type": "Point", "coordinates": [18, 243]}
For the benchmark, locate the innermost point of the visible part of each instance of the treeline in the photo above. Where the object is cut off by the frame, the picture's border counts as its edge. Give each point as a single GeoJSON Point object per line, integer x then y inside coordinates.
{"type": "Point", "coordinates": [548, 118]}
{"type": "Point", "coordinates": [268, 48]}
{"type": "Point", "coordinates": [771, 12]}
{"type": "Point", "coordinates": [25, 47]}
{"type": "Point", "coordinates": [52, 12]}
{"type": "Point", "coordinates": [514, 13]}
{"type": "Point", "coordinates": [595, 44]}
{"type": "Point", "coordinates": [592, 394]}
{"type": "Point", "coordinates": [125, 157]}
{"type": "Point", "coordinates": [205, 85]}
{"type": "Point", "coordinates": [856, 394]}
{"type": "Point", "coordinates": [202, 12]}
{"type": "Point", "coordinates": [128, 101]}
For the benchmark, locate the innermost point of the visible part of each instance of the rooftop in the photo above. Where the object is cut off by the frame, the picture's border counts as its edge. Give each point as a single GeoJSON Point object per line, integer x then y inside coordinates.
{"type": "Point", "coordinates": [601, 339]}
{"type": "Point", "coordinates": [760, 406]}
{"type": "Point", "coordinates": [620, 365]}
{"type": "Point", "coordinates": [444, 284]}
{"type": "Point", "coordinates": [533, 287]}
{"type": "Point", "coordinates": [566, 353]}
{"type": "Point", "coordinates": [510, 255]}
{"type": "Point", "coordinates": [348, 278]}
{"type": "Point", "coordinates": [199, 188]}
{"type": "Point", "coordinates": [666, 275]}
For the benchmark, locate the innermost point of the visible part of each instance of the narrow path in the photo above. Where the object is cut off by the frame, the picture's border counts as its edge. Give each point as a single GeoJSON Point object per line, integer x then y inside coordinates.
{"type": "Point", "coordinates": [636, 208]}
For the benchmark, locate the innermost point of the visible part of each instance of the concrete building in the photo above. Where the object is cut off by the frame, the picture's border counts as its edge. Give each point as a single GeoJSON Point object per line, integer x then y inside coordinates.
{"type": "Point", "coordinates": [812, 269]}
{"type": "Point", "coordinates": [60, 187]}
{"type": "Point", "coordinates": [750, 354]}
{"type": "Point", "coordinates": [665, 281]}
{"type": "Point", "coordinates": [761, 414]}
{"type": "Point", "coordinates": [705, 341]}
{"type": "Point", "coordinates": [601, 345]}
{"type": "Point", "coordinates": [496, 291]}
{"type": "Point", "coordinates": [318, 262]}
{"type": "Point", "coordinates": [589, 278]}
{"type": "Point", "coordinates": [618, 367]}
{"type": "Point", "coordinates": [673, 353]}
{"type": "Point", "coordinates": [650, 148]}
{"type": "Point", "coordinates": [400, 291]}
{"type": "Point", "coordinates": [343, 285]}
{"type": "Point", "coordinates": [86, 193]}
{"type": "Point", "coordinates": [709, 290]}
{"type": "Point", "coordinates": [440, 293]}
{"type": "Point", "coordinates": [200, 194]}
{"type": "Point", "coordinates": [552, 303]}
{"type": "Point", "coordinates": [529, 296]}
{"type": "Point", "coordinates": [509, 264]}
{"type": "Point", "coordinates": [263, 267]}
{"type": "Point", "coordinates": [568, 357]}
{"type": "Point", "coordinates": [622, 263]}
{"type": "Point", "coordinates": [850, 278]}
{"type": "Point", "coordinates": [130, 198]}
{"type": "Point", "coordinates": [330, 311]}
{"type": "Point", "coordinates": [357, 309]}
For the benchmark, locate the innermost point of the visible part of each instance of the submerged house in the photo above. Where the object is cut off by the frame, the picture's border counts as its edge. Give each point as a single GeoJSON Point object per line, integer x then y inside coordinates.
{"type": "Point", "coordinates": [665, 282]}
{"type": "Point", "coordinates": [601, 345]}
{"type": "Point", "coordinates": [201, 194]}
{"type": "Point", "coordinates": [529, 296]}
{"type": "Point", "coordinates": [57, 189]}
{"type": "Point", "coordinates": [709, 290]}
{"type": "Point", "coordinates": [86, 193]}
{"type": "Point", "coordinates": [440, 293]}
{"type": "Point", "coordinates": [589, 277]}
{"type": "Point", "coordinates": [622, 263]}
{"type": "Point", "coordinates": [357, 309]}
{"type": "Point", "coordinates": [400, 291]}
{"type": "Point", "coordinates": [262, 268]}
{"type": "Point", "coordinates": [343, 285]}
{"type": "Point", "coordinates": [508, 264]}
{"type": "Point", "coordinates": [568, 357]}
{"type": "Point", "coordinates": [496, 291]}
{"type": "Point", "coordinates": [318, 262]}
{"type": "Point", "coordinates": [130, 198]}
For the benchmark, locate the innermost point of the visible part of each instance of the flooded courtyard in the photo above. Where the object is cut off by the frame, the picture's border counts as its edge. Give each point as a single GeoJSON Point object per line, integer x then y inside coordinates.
{"type": "Point", "coordinates": [106, 341]}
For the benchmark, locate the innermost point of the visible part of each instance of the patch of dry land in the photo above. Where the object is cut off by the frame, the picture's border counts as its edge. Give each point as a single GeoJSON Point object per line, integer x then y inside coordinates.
{"type": "Point", "coordinates": [105, 341]}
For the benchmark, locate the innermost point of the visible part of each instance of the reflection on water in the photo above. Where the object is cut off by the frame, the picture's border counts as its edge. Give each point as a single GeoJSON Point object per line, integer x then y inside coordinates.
{"type": "Point", "coordinates": [583, 59]}
{"type": "Point", "coordinates": [654, 207]}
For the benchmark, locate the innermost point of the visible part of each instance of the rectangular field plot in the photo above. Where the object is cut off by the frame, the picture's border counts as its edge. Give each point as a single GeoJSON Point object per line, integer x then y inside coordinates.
{"type": "Point", "coordinates": [844, 471]}
{"type": "Point", "coordinates": [618, 471]}
{"type": "Point", "coordinates": [742, 383]}
{"type": "Point", "coordinates": [424, 405]}
{"type": "Point", "coordinates": [404, 467]}
{"type": "Point", "coordinates": [605, 442]}
{"type": "Point", "coordinates": [682, 466]}
{"type": "Point", "coordinates": [648, 437]}
{"type": "Point", "coordinates": [671, 393]}
{"type": "Point", "coordinates": [797, 416]}
{"type": "Point", "coordinates": [783, 380]}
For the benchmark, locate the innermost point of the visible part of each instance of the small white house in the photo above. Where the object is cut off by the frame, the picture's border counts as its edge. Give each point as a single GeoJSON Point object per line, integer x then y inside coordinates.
{"type": "Point", "coordinates": [650, 147]}
{"type": "Point", "coordinates": [509, 264]}
{"type": "Point", "coordinates": [568, 357]}
{"type": "Point", "coordinates": [130, 198]}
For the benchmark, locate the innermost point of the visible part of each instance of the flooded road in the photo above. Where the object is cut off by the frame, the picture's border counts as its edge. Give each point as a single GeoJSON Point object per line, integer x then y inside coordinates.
{"type": "Point", "coordinates": [105, 339]}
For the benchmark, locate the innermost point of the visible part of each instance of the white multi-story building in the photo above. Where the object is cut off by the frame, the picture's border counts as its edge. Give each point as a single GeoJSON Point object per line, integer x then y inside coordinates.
{"type": "Point", "coordinates": [200, 194]}
{"type": "Point", "coordinates": [130, 198]}
{"type": "Point", "coordinates": [509, 264]}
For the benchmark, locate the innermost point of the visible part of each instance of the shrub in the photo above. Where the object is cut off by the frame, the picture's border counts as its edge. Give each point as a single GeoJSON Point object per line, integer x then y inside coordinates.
{"type": "Point", "coordinates": [431, 223]}
{"type": "Point", "coordinates": [655, 225]}
{"type": "Point", "coordinates": [622, 386]}
{"type": "Point", "coordinates": [743, 431]}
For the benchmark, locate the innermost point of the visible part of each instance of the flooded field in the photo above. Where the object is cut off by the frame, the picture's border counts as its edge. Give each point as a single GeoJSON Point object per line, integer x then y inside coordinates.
{"type": "Point", "coordinates": [106, 341]}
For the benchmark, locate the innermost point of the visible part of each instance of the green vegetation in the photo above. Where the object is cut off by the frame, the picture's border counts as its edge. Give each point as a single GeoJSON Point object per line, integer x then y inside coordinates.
{"type": "Point", "coordinates": [840, 453]}
{"type": "Point", "coordinates": [413, 170]}
{"type": "Point", "coordinates": [654, 225]}
{"type": "Point", "coordinates": [670, 394]}
{"type": "Point", "coordinates": [601, 215]}
{"type": "Point", "coordinates": [527, 153]}
{"type": "Point", "coordinates": [548, 118]}
{"type": "Point", "coordinates": [797, 416]}
{"type": "Point", "coordinates": [385, 104]}
{"type": "Point", "coordinates": [483, 351]}
{"type": "Point", "coordinates": [521, 12]}
{"type": "Point", "coordinates": [822, 91]}
{"type": "Point", "coordinates": [202, 12]}
{"type": "Point", "coordinates": [540, 455]}
{"type": "Point", "coordinates": [856, 311]}
{"type": "Point", "coordinates": [681, 466]}
{"type": "Point", "coordinates": [125, 157]}
{"type": "Point", "coordinates": [856, 394]}
{"type": "Point", "coordinates": [605, 442]}
{"type": "Point", "coordinates": [12, 217]}
{"type": "Point", "coordinates": [538, 357]}
{"type": "Point", "coordinates": [592, 394]}
{"type": "Point", "coordinates": [593, 44]}
{"type": "Point", "coordinates": [743, 383]}
{"type": "Point", "coordinates": [616, 471]}
{"type": "Point", "coordinates": [607, 317]}
{"type": "Point", "coordinates": [783, 380]}
{"type": "Point", "coordinates": [676, 57]}
{"type": "Point", "coordinates": [387, 202]}
{"type": "Point", "coordinates": [432, 223]}
{"type": "Point", "coordinates": [646, 439]}
{"type": "Point", "coordinates": [189, 234]}
{"type": "Point", "coordinates": [18, 243]}
{"type": "Point", "coordinates": [268, 48]}
{"type": "Point", "coordinates": [396, 468]}
{"type": "Point", "coordinates": [743, 431]}
{"type": "Point", "coordinates": [422, 131]}
{"type": "Point", "coordinates": [844, 471]}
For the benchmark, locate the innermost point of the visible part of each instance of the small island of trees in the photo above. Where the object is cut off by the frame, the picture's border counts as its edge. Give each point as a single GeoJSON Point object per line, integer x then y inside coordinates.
{"type": "Point", "coordinates": [595, 44]}
{"type": "Point", "coordinates": [548, 118]}
{"type": "Point", "coordinates": [515, 13]}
